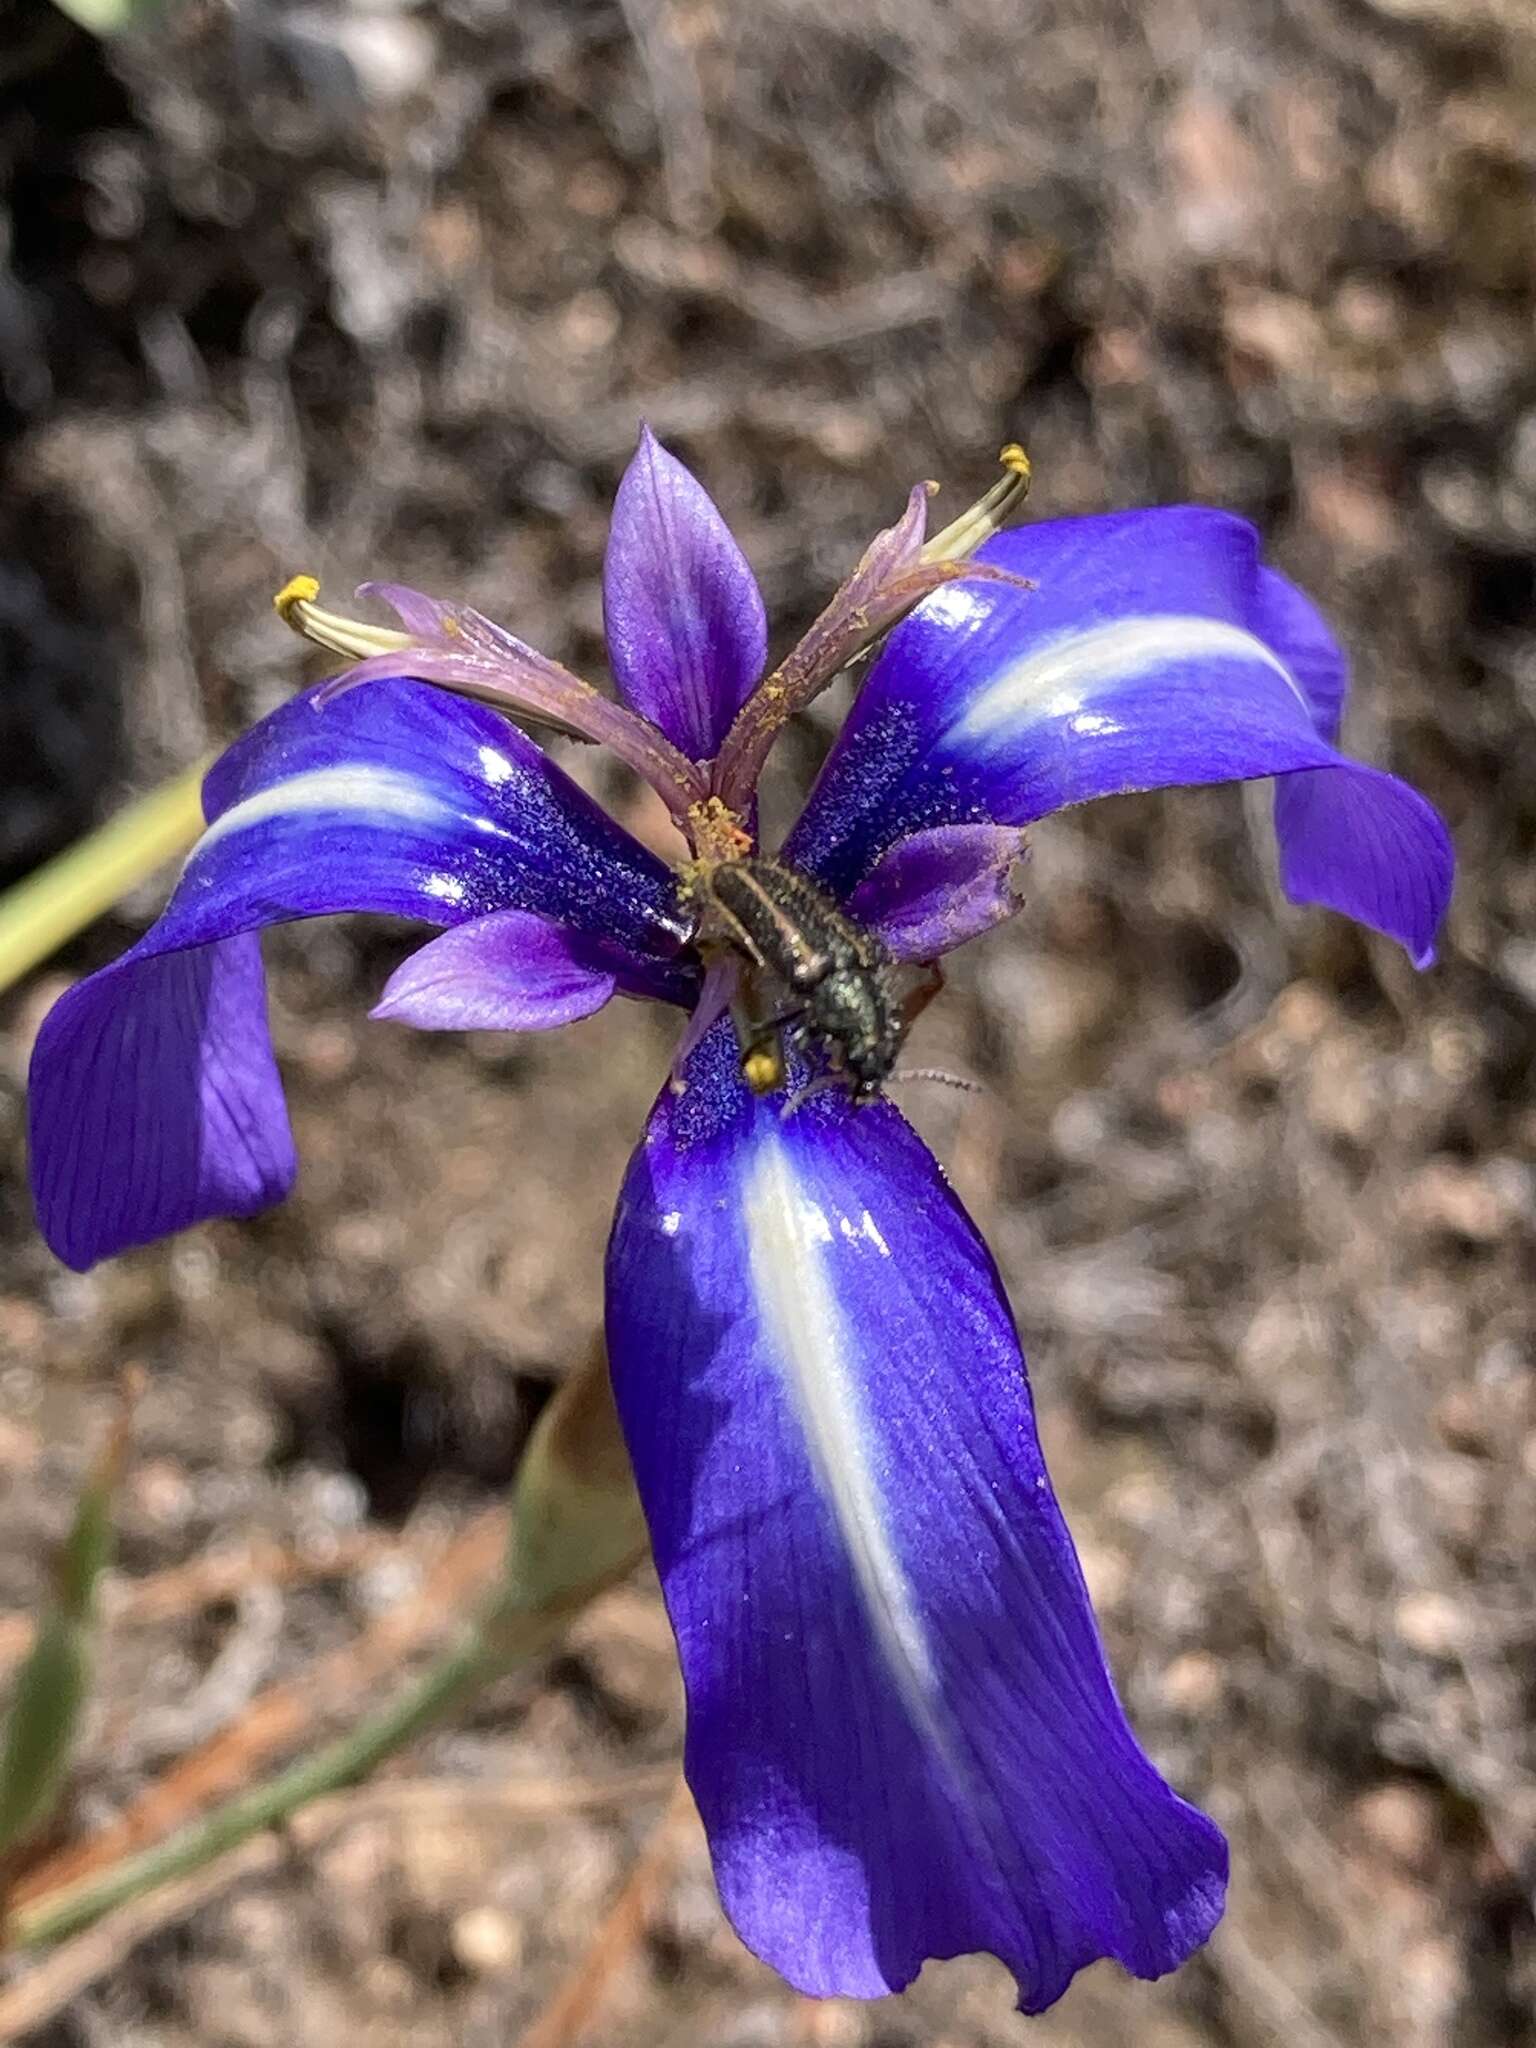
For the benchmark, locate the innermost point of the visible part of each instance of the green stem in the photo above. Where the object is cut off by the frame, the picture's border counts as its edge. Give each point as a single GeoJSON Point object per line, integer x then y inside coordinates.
{"type": "Point", "coordinates": [576, 1530]}
{"type": "Point", "coordinates": [40, 914]}
{"type": "Point", "coordinates": [441, 1688]}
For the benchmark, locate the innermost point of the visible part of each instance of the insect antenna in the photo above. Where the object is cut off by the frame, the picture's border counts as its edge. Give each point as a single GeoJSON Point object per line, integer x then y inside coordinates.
{"type": "Point", "coordinates": [942, 1076]}
{"type": "Point", "coordinates": [804, 1093]}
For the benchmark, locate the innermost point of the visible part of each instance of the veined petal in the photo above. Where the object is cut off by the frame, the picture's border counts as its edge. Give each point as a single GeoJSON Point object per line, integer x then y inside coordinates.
{"type": "Point", "coordinates": [1366, 844]}
{"type": "Point", "coordinates": [931, 891]}
{"type": "Point", "coordinates": [511, 971]}
{"type": "Point", "coordinates": [1155, 650]}
{"type": "Point", "coordinates": [901, 1733]}
{"type": "Point", "coordinates": [155, 1101]}
{"type": "Point", "coordinates": [687, 633]}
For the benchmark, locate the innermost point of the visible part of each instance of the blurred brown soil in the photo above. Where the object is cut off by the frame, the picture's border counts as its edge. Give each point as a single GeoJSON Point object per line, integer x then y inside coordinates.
{"type": "Point", "coordinates": [383, 291]}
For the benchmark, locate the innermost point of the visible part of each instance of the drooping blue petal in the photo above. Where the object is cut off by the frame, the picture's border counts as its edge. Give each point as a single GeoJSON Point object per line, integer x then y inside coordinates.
{"type": "Point", "coordinates": [1366, 844]}
{"type": "Point", "coordinates": [687, 634]}
{"type": "Point", "coordinates": [154, 1100]}
{"type": "Point", "coordinates": [902, 1736]}
{"type": "Point", "coordinates": [1154, 650]}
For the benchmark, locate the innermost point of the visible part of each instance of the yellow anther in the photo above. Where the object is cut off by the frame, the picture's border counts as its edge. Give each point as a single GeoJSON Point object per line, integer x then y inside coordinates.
{"type": "Point", "coordinates": [297, 590]}
{"type": "Point", "coordinates": [763, 1069]}
{"type": "Point", "coordinates": [717, 832]}
{"type": "Point", "coordinates": [989, 514]}
{"type": "Point", "coordinates": [354, 638]}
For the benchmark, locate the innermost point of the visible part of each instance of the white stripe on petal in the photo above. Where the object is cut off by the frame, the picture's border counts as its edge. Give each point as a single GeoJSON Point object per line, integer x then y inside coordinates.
{"type": "Point", "coordinates": [787, 1235]}
{"type": "Point", "coordinates": [1061, 680]}
{"type": "Point", "coordinates": [393, 797]}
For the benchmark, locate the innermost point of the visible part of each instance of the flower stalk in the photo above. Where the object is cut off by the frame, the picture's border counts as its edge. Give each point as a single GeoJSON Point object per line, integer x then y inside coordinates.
{"type": "Point", "coordinates": [576, 1529]}
{"type": "Point", "coordinates": [53, 1683]}
{"type": "Point", "coordinates": [44, 912]}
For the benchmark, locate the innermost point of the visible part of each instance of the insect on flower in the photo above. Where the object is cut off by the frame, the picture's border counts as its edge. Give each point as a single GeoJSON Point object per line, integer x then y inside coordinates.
{"type": "Point", "coordinates": [829, 983]}
{"type": "Point", "coordinates": [902, 1735]}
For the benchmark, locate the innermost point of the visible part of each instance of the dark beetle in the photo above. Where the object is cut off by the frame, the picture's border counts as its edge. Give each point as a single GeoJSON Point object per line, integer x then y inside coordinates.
{"type": "Point", "coordinates": [829, 984]}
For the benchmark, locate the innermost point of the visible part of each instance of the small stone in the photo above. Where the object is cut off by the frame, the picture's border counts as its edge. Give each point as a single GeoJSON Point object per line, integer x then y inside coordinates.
{"type": "Point", "coordinates": [589, 324]}
{"type": "Point", "coordinates": [1301, 1013]}
{"type": "Point", "coordinates": [161, 1491]}
{"type": "Point", "coordinates": [1430, 1623]}
{"type": "Point", "coordinates": [390, 59]}
{"type": "Point", "coordinates": [1356, 512]}
{"type": "Point", "coordinates": [1217, 176]}
{"type": "Point", "coordinates": [1281, 333]}
{"type": "Point", "coordinates": [487, 1941]}
{"type": "Point", "coordinates": [450, 238]}
{"type": "Point", "coordinates": [1402, 1821]}
{"type": "Point", "coordinates": [1193, 1684]}
{"type": "Point", "coordinates": [1433, 1978]}
{"type": "Point", "coordinates": [845, 434]}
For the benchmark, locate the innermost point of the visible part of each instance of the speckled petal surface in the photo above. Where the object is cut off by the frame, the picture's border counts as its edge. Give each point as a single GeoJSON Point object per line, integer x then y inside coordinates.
{"type": "Point", "coordinates": [154, 1098]}
{"type": "Point", "coordinates": [902, 1736]}
{"type": "Point", "coordinates": [1154, 650]}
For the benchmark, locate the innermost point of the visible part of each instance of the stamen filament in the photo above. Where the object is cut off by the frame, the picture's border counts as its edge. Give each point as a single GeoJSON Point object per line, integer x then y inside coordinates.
{"type": "Point", "coordinates": [896, 573]}
{"type": "Point", "coordinates": [988, 515]}
{"type": "Point", "coordinates": [467, 656]}
{"type": "Point", "coordinates": [355, 638]}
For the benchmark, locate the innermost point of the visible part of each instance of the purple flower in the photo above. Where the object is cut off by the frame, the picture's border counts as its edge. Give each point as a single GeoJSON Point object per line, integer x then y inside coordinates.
{"type": "Point", "coordinates": [902, 1735]}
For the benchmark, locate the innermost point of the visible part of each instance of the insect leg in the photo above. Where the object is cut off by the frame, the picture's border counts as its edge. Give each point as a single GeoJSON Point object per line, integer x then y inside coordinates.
{"type": "Point", "coordinates": [760, 1039]}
